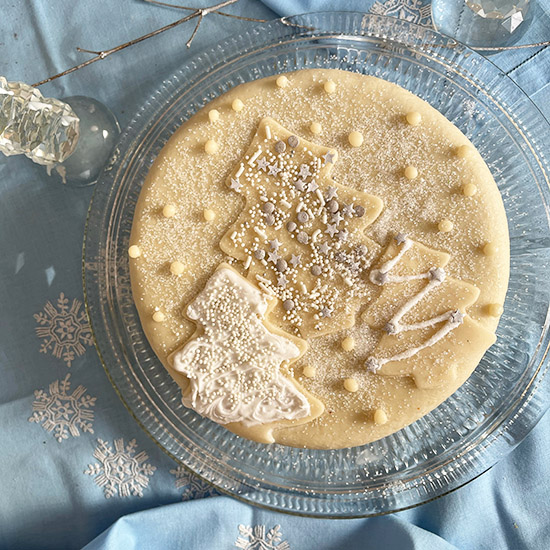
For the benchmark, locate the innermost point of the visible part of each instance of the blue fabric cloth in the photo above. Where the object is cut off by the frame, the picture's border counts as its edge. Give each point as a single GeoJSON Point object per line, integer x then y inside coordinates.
{"type": "Point", "coordinates": [51, 492]}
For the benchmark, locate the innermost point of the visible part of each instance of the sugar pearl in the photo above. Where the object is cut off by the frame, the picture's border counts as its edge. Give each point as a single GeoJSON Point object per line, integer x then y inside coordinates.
{"type": "Point", "coordinates": [169, 211]}
{"type": "Point", "coordinates": [208, 214]}
{"type": "Point", "coordinates": [315, 128]}
{"type": "Point", "coordinates": [213, 115]}
{"type": "Point", "coordinates": [445, 225]}
{"type": "Point", "coordinates": [414, 118]}
{"type": "Point", "coordinates": [237, 105]}
{"type": "Point", "coordinates": [351, 385]}
{"type": "Point", "coordinates": [490, 249]}
{"type": "Point", "coordinates": [380, 417]}
{"type": "Point", "coordinates": [494, 310]}
{"type": "Point", "coordinates": [469, 190]}
{"type": "Point", "coordinates": [348, 343]}
{"type": "Point", "coordinates": [411, 172]}
{"type": "Point", "coordinates": [355, 139]}
{"type": "Point", "coordinates": [282, 81]}
{"type": "Point", "coordinates": [309, 371]}
{"type": "Point", "coordinates": [177, 268]}
{"type": "Point", "coordinates": [289, 305]}
{"type": "Point", "coordinates": [211, 147]}
{"type": "Point", "coordinates": [463, 151]}
{"type": "Point", "coordinates": [158, 317]}
{"type": "Point", "coordinates": [329, 86]}
{"type": "Point", "coordinates": [134, 251]}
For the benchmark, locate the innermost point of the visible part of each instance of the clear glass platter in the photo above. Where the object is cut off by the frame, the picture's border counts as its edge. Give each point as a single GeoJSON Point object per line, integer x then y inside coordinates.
{"type": "Point", "coordinates": [489, 415]}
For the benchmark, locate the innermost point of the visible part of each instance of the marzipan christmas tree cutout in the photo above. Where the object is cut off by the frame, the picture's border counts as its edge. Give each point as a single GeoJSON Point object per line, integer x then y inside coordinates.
{"type": "Point", "coordinates": [300, 235]}
{"type": "Point", "coordinates": [422, 313]}
{"type": "Point", "coordinates": [235, 360]}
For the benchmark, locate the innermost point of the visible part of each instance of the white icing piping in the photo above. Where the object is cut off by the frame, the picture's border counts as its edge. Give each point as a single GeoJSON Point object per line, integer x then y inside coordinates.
{"type": "Point", "coordinates": [234, 365]}
{"type": "Point", "coordinates": [452, 318]}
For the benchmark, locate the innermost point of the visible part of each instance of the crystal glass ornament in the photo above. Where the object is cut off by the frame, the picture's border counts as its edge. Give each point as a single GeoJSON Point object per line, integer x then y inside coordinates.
{"type": "Point", "coordinates": [73, 138]}
{"type": "Point", "coordinates": [479, 23]}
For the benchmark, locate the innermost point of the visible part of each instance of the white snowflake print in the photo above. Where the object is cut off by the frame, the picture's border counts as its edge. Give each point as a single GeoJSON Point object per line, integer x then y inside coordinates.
{"type": "Point", "coordinates": [194, 486]}
{"type": "Point", "coordinates": [64, 329]}
{"type": "Point", "coordinates": [120, 472]}
{"type": "Point", "coordinates": [415, 11]}
{"type": "Point", "coordinates": [255, 538]}
{"type": "Point", "coordinates": [61, 412]}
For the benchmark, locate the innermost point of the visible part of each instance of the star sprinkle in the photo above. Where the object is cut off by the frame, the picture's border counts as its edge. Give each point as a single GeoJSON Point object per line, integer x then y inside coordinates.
{"type": "Point", "coordinates": [312, 187]}
{"type": "Point", "coordinates": [400, 238]}
{"type": "Point", "coordinates": [274, 244]}
{"type": "Point", "coordinates": [329, 157]}
{"type": "Point", "coordinates": [235, 185]}
{"type": "Point", "coordinates": [348, 210]}
{"type": "Point", "coordinates": [261, 164]}
{"type": "Point", "coordinates": [300, 185]}
{"type": "Point", "coordinates": [457, 317]}
{"type": "Point", "coordinates": [273, 170]}
{"type": "Point", "coordinates": [296, 260]}
{"type": "Point", "coordinates": [324, 248]}
{"type": "Point", "coordinates": [272, 256]}
{"type": "Point", "coordinates": [332, 193]}
{"type": "Point", "coordinates": [326, 312]}
{"type": "Point", "coordinates": [331, 229]}
{"type": "Point", "coordinates": [304, 171]}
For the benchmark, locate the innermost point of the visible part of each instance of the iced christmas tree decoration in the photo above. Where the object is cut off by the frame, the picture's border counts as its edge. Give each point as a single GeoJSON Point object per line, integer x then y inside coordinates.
{"type": "Point", "coordinates": [44, 129]}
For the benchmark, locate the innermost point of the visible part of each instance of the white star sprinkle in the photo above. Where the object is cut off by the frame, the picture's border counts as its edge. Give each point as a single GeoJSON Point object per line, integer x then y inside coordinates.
{"type": "Point", "coordinates": [262, 164]}
{"type": "Point", "coordinates": [274, 244]}
{"type": "Point", "coordinates": [457, 317]}
{"type": "Point", "coordinates": [326, 312]}
{"type": "Point", "coordinates": [323, 248]}
{"type": "Point", "coordinates": [312, 187]}
{"type": "Point", "coordinates": [348, 210]}
{"type": "Point", "coordinates": [304, 171]}
{"type": "Point", "coordinates": [272, 257]}
{"type": "Point", "coordinates": [329, 157]}
{"type": "Point", "coordinates": [331, 229]}
{"type": "Point", "coordinates": [296, 260]}
{"type": "Point", "coordinates": [235, 185]}
{"type": "Point", "coordinates": [282, 280]}
{"type": "Point", "coordinates": [400, 238]}
{"type": "Point", "coordinates": [332, 193]}
{"type": "Point", "coordinates": [300, 185]}
{"type": "Point", "coordinates": [273, 170]}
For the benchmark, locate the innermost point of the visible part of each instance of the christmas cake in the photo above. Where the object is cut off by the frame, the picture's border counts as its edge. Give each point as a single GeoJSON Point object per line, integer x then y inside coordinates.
{"type": "Point", "coordinates": [319, 258]}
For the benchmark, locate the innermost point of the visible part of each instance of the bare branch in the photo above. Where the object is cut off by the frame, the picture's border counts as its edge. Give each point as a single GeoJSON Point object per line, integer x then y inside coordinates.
{"type": "Point", "coordinates": [225, 14]}
{"type": "Point", "coordinates": [103, 54]}
{"type": "Point", "coordinates": [199, 21]}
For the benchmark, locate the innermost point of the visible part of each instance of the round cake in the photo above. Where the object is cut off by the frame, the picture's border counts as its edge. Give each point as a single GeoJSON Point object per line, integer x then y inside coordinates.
{"type": "Point", "coordinates": [319, 258]}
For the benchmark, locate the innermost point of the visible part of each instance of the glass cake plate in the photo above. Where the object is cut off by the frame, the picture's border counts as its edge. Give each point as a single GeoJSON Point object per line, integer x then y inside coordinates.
{"type": "Point", "coordinates": [486, 418]}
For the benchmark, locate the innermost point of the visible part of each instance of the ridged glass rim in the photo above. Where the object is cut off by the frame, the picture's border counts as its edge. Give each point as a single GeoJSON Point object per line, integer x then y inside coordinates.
{"type": "Point", "coordinates": [331, 27]}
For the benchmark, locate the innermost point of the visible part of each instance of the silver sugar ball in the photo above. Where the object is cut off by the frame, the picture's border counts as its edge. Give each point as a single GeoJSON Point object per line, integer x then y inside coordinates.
{"type": "Point", "coordinates": [291, 226]}
{"type": "Point", "coordinates": [303, 237]}
{"type": "Point", "coordinates": [270, 219]}
{"type": "Point", "coordinates": [359, 211]}
{"type": "Point", "coordinates": [268, 207]}
{"type": "Point", "coordinates": [293, 141]}
{"type": "Point", "coordinates": [288, 305]}
{"type": "Point", "coordinates": [333, 206]}
{"type": "Point", "coordinates": [281, 265]}
{"type": "Point", "coordinates": [316, 270]}
{"type": "Point", "coordinates": [259, 254]}
{"type": "Point", "coordinates": [280, 147]}
{"type": "Point", "coordinates": [361, 250]}
{"type": "Point", "coordinates": [303, 217]}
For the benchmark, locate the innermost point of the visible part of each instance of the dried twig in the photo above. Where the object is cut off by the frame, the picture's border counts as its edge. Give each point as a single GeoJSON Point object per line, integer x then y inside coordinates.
{"type": "Point", "coordinates": [217, 12]}
{"type": "Point", "coordinates": [199, 12]}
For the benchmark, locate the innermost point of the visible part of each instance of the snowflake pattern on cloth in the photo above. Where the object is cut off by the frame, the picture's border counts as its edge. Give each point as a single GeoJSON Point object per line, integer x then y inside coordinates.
{"type": "Point", "coordinates": [64, 413]}
{"type": "Point", "coordinates": [64, 329]}
{"type": "Point", "coordinates": [255, 538]}
{"type": "Point", "coordinates": [414, 11]}
{"type": "Point", "coordinates": [193, 486]}
{"type": "Point", "coordinates": [120, 471]}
